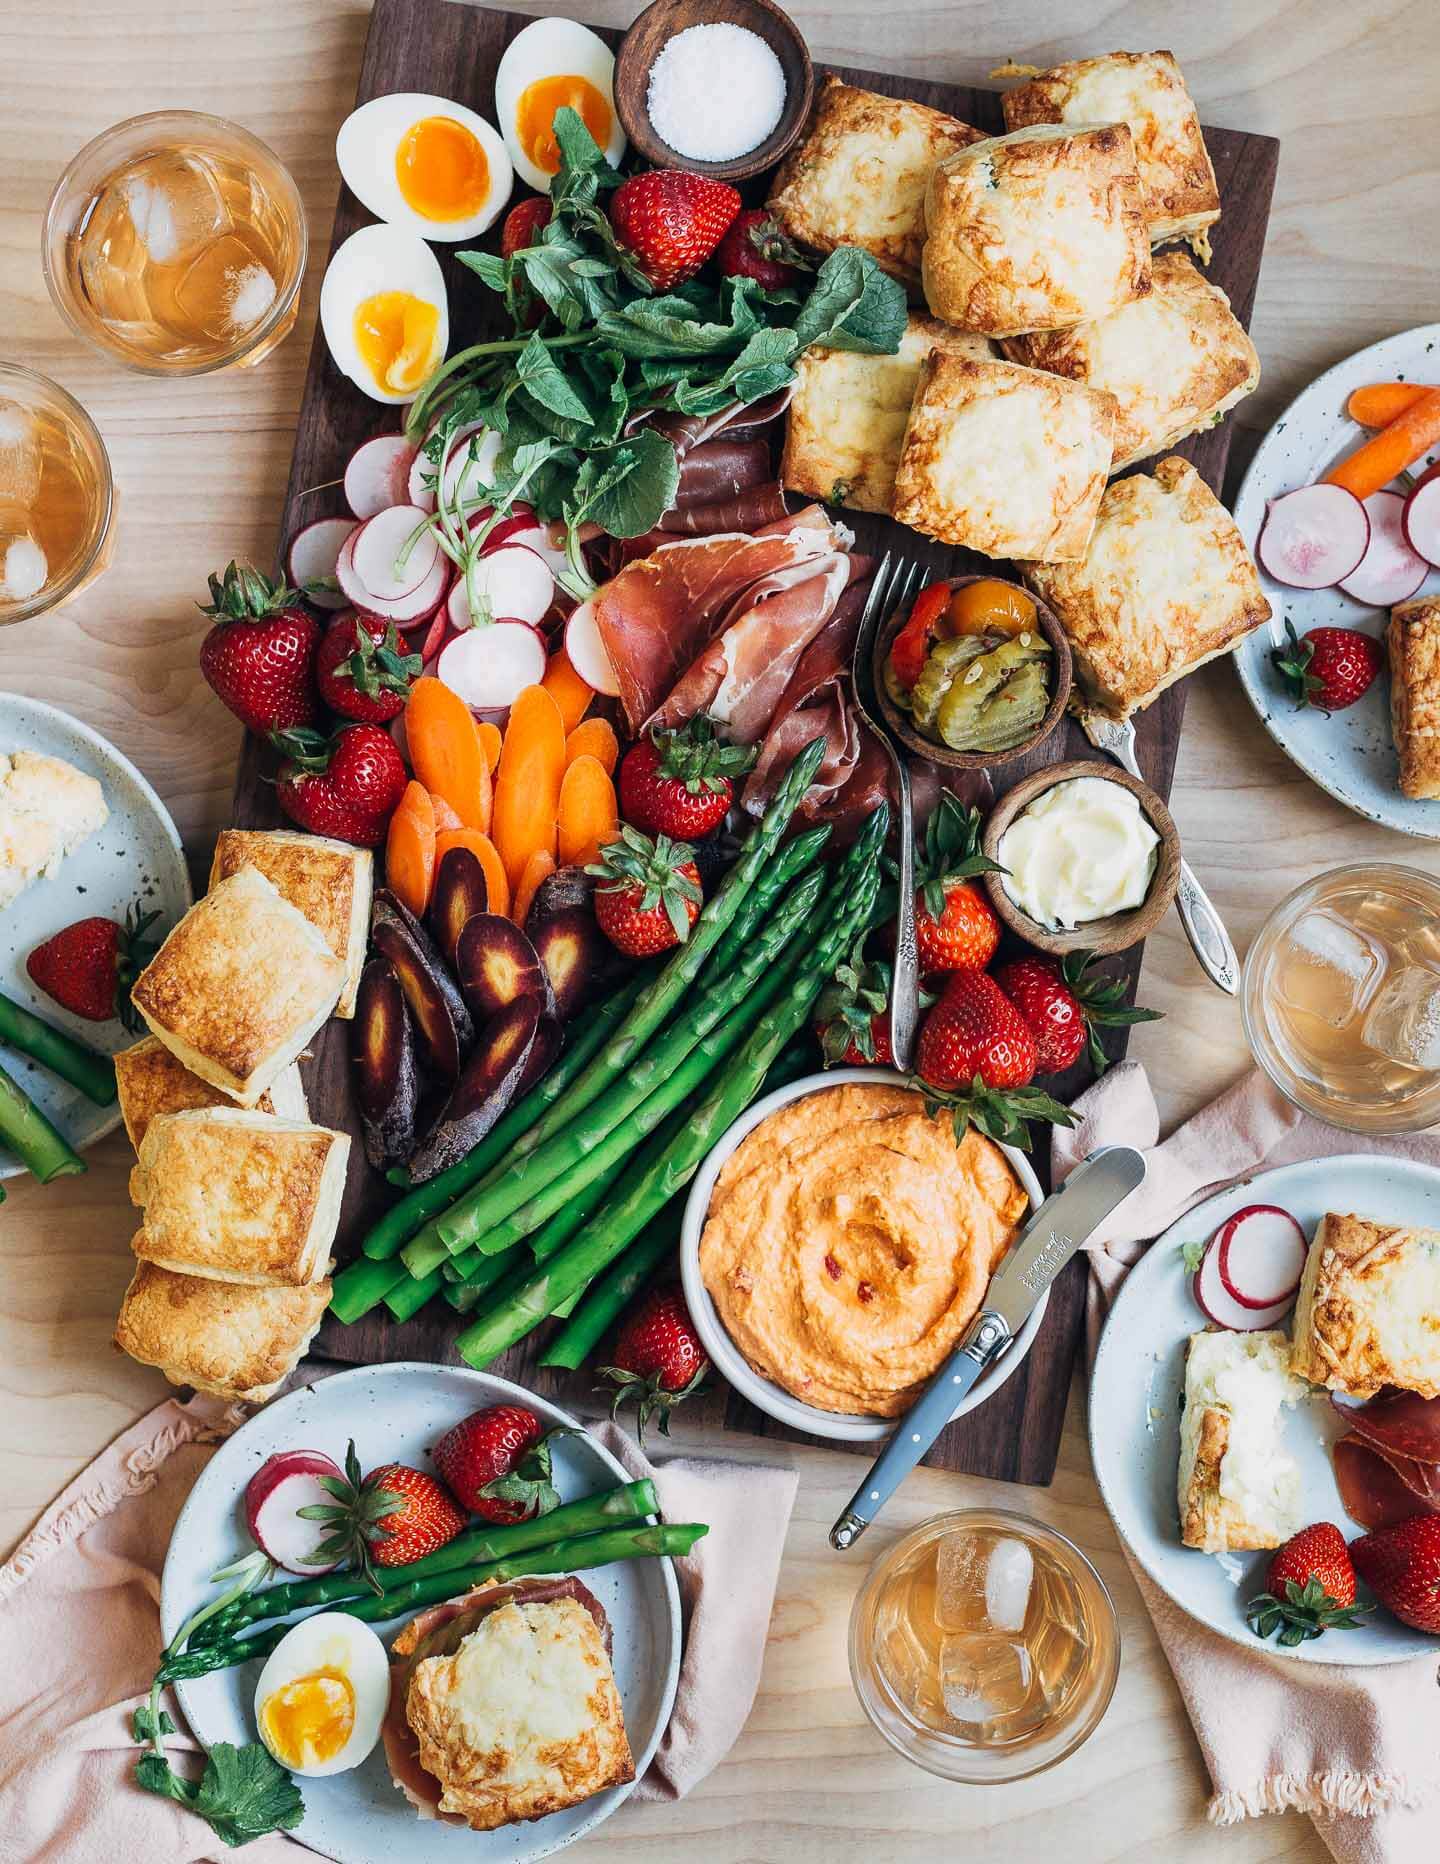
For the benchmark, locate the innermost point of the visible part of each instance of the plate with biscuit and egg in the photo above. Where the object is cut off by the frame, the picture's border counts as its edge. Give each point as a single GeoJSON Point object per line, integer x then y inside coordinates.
{"type": "Point", "coordinates": [1229, 1411]}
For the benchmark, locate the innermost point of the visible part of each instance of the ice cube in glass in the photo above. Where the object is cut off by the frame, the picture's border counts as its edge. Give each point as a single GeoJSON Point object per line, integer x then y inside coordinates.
{"type": "Point", "coordinates": [175, 205]}
{"type": "Point", "coordinates": [960, 1564]}
{"type": "Point", "coordinates": [23, 565]}
{"type": "Point", "coordinates": [1328, 968]}
{"type": "Point", "coordinates": [1403, 1022]}
{"type": "Point", "coordinates": [20, 456]}
{"type": "Point", "coordinates": [985, 1677]}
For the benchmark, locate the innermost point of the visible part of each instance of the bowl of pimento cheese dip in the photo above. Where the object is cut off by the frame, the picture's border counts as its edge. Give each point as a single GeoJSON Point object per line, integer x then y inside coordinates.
{"type": "Point", "coordinates": [838, 1241]}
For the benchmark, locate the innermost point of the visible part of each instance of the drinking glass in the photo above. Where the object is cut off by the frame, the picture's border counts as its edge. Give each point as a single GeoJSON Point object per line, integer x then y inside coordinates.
{"type": "Point", "coordinates": [57, 498]}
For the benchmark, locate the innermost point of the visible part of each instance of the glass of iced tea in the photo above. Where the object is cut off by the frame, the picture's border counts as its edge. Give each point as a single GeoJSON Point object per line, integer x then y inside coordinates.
{"type": "Point", "coordinates": [983, 1645]}
{"type": "Point", "coordinates": [1342, 997]}
{"type": "Point", "coordinates": [57, 499]}
{"type": "Point", "coordinates": [176, 241]}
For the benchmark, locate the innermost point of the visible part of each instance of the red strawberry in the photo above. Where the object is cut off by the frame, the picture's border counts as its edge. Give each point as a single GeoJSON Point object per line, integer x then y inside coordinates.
{"type": "Point", "coordinates": [975, 1030]}
{"type": "Point", "coordinates": [1329, 668]}
{"type": "Point", "coordinates": [658, 1359]}
{"type": "Point", "coordinates": [259, 655]}
{"type": "Point", "coordinates": [852, 1019]}
{"type": "Point", "coordinates": [394, 1515]}
{"type": "Point", "coordinates": [346, 786]}
{"type": "Point", "coordinates": [1311, 1588]}
{"type": "Point", "coordinates": [88, 968]}
{"type": "Point", "coordinates": [1401, 1566]}
{"type": "Point", "coordinates": [955, 925]}
{"type": "Point", "coordinates": [671, 221]}
{"type": "Point", "coordinates": [524, 224]}
{"type": "Point", "coordinates": [756, 247]}
{"type": "Point", "coordinates": [1062, 1005]}
{"type": "Point", "coordinates": [496, 1462]}
{"type": "Point", "coordinates": [362, 671]}
{"type": "Point", "coordinates": [648, 895]}
{"type": "Point", "coordinates": [680, 783]}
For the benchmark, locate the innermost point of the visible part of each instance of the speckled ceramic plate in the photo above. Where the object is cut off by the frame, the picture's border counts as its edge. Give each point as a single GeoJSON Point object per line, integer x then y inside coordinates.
{"type": "Point", "coordinates": [1135, 1404]}
{"type": "Point", "coordinates": [1352, 754]}
{"type": "Point", "coordinates": [395, 1413]}
{"type": "Point", "coordinates": [136, 857]}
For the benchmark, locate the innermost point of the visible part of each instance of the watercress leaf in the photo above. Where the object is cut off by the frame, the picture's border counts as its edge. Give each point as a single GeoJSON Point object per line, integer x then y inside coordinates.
{"type": "Point", "coordinates": [635, 503]}
{"type": "Point", "coordinates": [854, 305]}
{"type": "Point", "coordinates": [244, 1793]}
{"type": "Point", "coordinates": [569, 433]}
{"type": "Point", "coordinates": [546, 383]}
{"type": "Point", "coordinates": [146, 1727]}
{"type": "Point", "coordinates": [156, 1775]}
{"type": "Point", "coordinates": [487, 266]}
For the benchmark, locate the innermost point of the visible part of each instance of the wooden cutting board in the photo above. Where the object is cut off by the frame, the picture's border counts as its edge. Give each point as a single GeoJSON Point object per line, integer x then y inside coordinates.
{"type": "Point", "coordinates": [452, 51]}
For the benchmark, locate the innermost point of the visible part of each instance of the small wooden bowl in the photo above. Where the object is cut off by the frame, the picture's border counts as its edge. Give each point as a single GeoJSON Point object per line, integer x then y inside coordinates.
{"type": "Point", "coordinates": [937, 753]}
{"type": "Point", "coordinates": [1119, 931]}
{"type": "Point", "coordinates": [660, 22]}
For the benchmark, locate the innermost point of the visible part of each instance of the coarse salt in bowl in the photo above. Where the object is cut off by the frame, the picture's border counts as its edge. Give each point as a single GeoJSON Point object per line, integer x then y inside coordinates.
{"type": "Point", "coordinates": [716, 92]}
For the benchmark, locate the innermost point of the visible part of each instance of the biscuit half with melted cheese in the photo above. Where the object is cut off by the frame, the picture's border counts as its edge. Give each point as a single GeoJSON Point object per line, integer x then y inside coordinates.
{"type": "Point", "coordinates": [858, 175]}
{"type": "Point", "coordinates": [1165, 585]}
{"type": "Point", "coordinates": [149, 1080]}
{"type": "Point", "coordinates": [1239, 1488]}
{"type": "Point", "coordinates": [1368, 1313]}
{"type": "Point", "coordinates": [218, 1336]}
{"type": "Point", "coordinates": [329, 881]}
{"type": "Point", "coordinates": [1147, 91]}
{"type": "Point", "coordinates": [1413, 639]}
{"type": "Point", "coordinates": [1175, 361]}
{"type": "Point", "coordinates": [1001, 459]}
{"type": "Point", "coordinates": [847, 419]}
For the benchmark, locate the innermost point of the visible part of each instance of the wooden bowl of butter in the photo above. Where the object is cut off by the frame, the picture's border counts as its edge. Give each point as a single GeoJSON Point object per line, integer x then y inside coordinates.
{"type": "Point", "coordinates": [1092, 858]}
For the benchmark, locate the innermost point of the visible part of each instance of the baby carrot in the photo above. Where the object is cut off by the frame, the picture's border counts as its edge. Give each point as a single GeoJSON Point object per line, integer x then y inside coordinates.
{"type": "Point", "coordinates": [1392, 449]}
{"type": "Point", "coordinates": [1380, 403]}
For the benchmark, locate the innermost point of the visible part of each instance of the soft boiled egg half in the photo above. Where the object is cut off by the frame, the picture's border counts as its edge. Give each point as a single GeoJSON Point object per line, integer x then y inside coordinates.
{"type": "Point", "coordinates": [384, 312]}
{"type": "Point", "coordinates": [426, 164]}
{"type": "Point", "coordinates": [551, 63]}
{"type": "Point", "coordinates": [322, 1695]}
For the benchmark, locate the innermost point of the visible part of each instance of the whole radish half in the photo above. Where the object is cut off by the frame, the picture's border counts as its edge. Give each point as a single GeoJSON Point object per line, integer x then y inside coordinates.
{"type": "Point", "coordinates": [405, 611]}
{"type": "Point", "coordinates": [1261, 1255]}
{"type": "Point", "coordinates": [283, 1485]}
{"type": "Point", "coordinates": [490, 667]}
{"type": "Point", "coordinates": [394, 552]}
{"type": "Point", "coordinates": [379, 474]}
{"type": "Point", "coordinates": [587, 652]}
{"type": "Point", "coordinates": [1218, 1304]}
{"type": "Point", "coordinates": [314, 553]}
{"type": "Point", "coordinates": [1314, 537]}
{"type": "Point", "coordinates": [1420, 519]}
{"type": "Point", "coordinates": [512, 581]}
{"type": "Point", "coordinates": [1390, 571]}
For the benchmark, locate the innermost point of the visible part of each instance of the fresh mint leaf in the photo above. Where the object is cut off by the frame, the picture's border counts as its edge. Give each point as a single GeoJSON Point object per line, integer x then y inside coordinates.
{"type": "Point", "coordinates": [854, 306]}
{"type": "Point", "coordinates": [244, 1793]}
{"type": "Point", "coordinates": [581, 157]}
{"type": "Point", "coordinates": [546, 383]}
{"type": "Point", "coordinates": [488, 266]}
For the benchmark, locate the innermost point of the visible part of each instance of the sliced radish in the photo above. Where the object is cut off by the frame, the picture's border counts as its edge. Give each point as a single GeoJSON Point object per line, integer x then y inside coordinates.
{"type": "Point", "coordinates": [389, 558]}
{"type": "Point", "coordinates": [406, 611]}
{"type": "Point", "coordinates": [1390, 571]}
{"type": "Point", "coordinates": [437, 631]}
{"type": "Point", "coordinates": [423, 477]}
{"type": "Point", "coordinates": [1313, 537]}
{"type": "Point", "coordinates": [521, 518]}
{"type": "Point", "coordinates": [540, 539]}
{"type": "Point", "coordinates": [1261, 1255]}
{"type": "Point", "coordinates": [470, 464]}
{"type": "Point", "coordinates": [379, 474]}
{"type": "Point", "coordinates": [513, 582]}
{"type": "Point", "coordinates": [588, 653]}
{"type": "Point", "coordinates": [1218, 1304]}
{"type": "Point", "coordinates": [283, 1485]}
{"type": "Point", "coordinates": [1420, 520]}
{"type": "Point", "coordinates": [313, 554]}
{"type": "Point", "coordinates": [490, 667]}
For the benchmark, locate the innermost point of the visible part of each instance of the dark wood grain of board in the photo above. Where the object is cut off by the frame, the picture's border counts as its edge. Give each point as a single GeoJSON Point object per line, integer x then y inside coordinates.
{"type": "Point", "coordinates": [452, 50]}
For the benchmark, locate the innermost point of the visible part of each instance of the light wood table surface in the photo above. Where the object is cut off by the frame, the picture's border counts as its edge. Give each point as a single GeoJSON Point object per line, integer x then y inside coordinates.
{"type": "Point", "coordinates": [1349, 86]}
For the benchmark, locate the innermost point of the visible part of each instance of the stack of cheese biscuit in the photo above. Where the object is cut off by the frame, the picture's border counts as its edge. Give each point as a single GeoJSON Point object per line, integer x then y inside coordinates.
{"type": "Point", "coordinates": [1038, 242]}
{"type": "Point", "coordinates": [240, 1192]}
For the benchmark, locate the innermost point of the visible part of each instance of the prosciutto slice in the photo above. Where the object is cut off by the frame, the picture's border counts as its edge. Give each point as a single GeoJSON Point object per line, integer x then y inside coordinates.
{"type": "Point", "coordinates": [1373, 1490]}
{"type": "Point", "coordinates": [1402, 1422]}
{"type": "Point", "coordinates": [722, 468]}
{"type": "Point", "coordinates": [685, 432]}
{"type": "Point", "coordinates": [750, 509]}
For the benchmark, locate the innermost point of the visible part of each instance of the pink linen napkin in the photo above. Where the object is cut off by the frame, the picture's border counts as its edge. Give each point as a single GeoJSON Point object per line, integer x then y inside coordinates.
{"type": "Point", "coordinates": [80, 1637]}
{"type": "Point", "coordinates": [1357, 1747]}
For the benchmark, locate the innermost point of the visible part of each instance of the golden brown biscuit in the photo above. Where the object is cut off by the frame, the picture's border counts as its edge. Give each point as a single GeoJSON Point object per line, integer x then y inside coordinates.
{"type": "Point", "coordinates": [1147, 91]}
{"type": "Point", "coordinates": [1368, 1313]}
{"type": "Point", "coordinates": [220, 1337]}
{"type": "Point", "coordinates": [149, 1080]}
{"type": "Point", "coordinates": [1166, 585]}
{"type": "Point", "coordinates": [1036, 230]}
{"type": "Point", "coordinates": [239, 1195]}
{"type": "Point", "coordinates": [329, 881]}
{"type": "Point", "coordinates": [240, 986]}
{"type": "Point", "coordinates": [858, 175]}
{"type": "Point", "coordinates": [1175, 361]}
{"type": "Point", "coordinates": [847, 419]}
{"type": "Point", "coordinates": [1004, 460]}
{"type": "Point", "coordinates": [1413, 639]}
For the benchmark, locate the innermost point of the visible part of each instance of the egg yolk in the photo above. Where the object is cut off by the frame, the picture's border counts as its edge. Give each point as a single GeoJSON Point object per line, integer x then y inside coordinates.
{"type": "Point", "coordinates": [441, 169]}
{"type": "Point", "coordinates": [535, 117]}
{"type": "Point", "coordinates": [395, 334]}
{"type": "Point", "coordinates": [310, 1719]}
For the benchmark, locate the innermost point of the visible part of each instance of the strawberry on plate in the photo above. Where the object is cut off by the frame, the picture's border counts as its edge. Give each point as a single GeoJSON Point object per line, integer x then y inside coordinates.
{"type": "Point", "coordinates": [670, 221]}
{"type": "Point", "coordinates": [681, 783]}
{"type": "Point", "coordinates": [259, 656]}
{"type": "Point", "coordinates": [1064, 1004]}
{"type": "Point", "coordinates": [657, 1359]}
{"type": "Point", "coordinates": [346, 786]}
{"type": "Point", "coordinates": [390, 1517]}
{"type": "Point", "coordinates": [956, 928]}
{"type": "Point", "coordinates": [496, 1463]}
{"type": "Point", "coordinates": [647, 893]}
{"type": "Point", "coordinates": [1401, 1566]}
{"type": "Point", "coordinates": [1310, 1588]}
{"type": "Point", "coordinates": [362, 671]}
{"type": "Point", "coordinates": [976, 1059]}
{"type": "Point", "coordinates": [757, 247]}
{"type": "Point", "coordinates": [1328, 668]}
{"type": "Point", "coordinates": [88, 967]}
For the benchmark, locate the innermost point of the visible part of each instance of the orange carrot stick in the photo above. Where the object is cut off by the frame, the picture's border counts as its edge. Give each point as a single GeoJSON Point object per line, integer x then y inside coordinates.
{"type": "Point", "coordinates": [567, 689]}
{"type": "Point", "coordinates": [1379, 403]}
{"type": "Point", "coordinates": [587, 812]}
{"type": "Point", "coordinates": [410, 849]}
{"type": "Point", "coordinates": [527, 783]}
{"type": "Point", "coordinates": [445, 816]}
{"type": "Point", "coordinates": [490, 742]}
{"type": "Point", "coordinates": [594, 737]}
{"type": "Point", "coordinates": [445, 752]}
{"type": "Point", "coordinates": [539, 867]}
{"type": "Point", "coordinates": [1390, 451]}
{"type": "Point", "coordinates": [497, 886]}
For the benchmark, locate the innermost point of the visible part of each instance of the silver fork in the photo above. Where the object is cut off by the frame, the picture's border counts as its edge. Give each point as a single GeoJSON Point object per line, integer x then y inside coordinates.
{"type": "Point", "coordinates": [895, 583]}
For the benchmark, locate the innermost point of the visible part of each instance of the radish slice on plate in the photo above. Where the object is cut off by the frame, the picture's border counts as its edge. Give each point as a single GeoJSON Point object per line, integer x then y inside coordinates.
{"type": "Point", "coordinates": [470, 464]}
{"type": "Point", "coordinates": [405, 611]}
{"type": "Point", "coordinates": [379, 474]}
{"type": "Point", "coordinates": [1420, 520]}
{"type": "Point", "coordinates": [389, 557]}
{"type": "Point", "coordinates": [1261, 1255]}
{"type": "Point", "coordinates": [512, 582]}
{"type": "Point", "coordinates": [283, 1485]}
{"type": "Point", "coordinates": [1314, 537]}
{"type": "Point", "coordinates": [1218, 1304]}
{"type": "Point", "coordinates": [490, 667]}
{"type": "Point", "coordinates": [520, 518]}
{"type": "Point", "coordinates": [1390, 571]}
{"type": "Point", "coordinates": [536, 537]}
{"type": "Point", "coordinates": [588, 653]}
{"type": "Point", "coordinates": [314, 553]}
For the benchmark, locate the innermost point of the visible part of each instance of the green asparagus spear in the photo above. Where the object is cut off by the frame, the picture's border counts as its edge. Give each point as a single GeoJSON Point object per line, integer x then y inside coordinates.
{"type": "Point", "coordinates": [363, 1284]}
{"type": "Point", "coordinates": [411, 1293]}
{"type": "Point", "coordinates": [82, 1067]}
{"type": "Point", "coordinates": [798, 854]}
{"type": "Point", "coordinates": [36, 1143]}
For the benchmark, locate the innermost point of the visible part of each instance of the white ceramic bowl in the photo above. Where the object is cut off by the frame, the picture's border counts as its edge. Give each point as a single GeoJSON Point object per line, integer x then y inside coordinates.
{"type": "Point", "coordinates": [845, 1426]}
